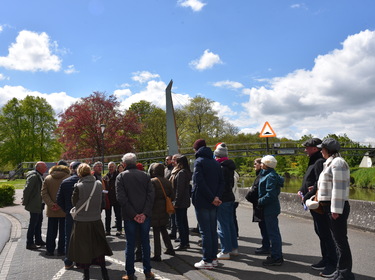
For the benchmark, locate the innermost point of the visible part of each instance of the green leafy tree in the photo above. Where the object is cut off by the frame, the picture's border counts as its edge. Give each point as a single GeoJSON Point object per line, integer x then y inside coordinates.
{"type": "Point", "coordinates": [154, 128]}
{"type": "Point", "coordinates": [27, 132]}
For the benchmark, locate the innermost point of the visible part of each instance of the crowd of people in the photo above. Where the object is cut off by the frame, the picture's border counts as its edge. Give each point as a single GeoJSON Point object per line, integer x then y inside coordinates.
{"type": "Point", "coordinates": [76, 195]}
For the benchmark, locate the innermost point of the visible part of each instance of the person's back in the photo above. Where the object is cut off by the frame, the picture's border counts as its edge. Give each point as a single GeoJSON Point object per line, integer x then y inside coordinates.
{"type": "Point", "coordinates": [207, 179]}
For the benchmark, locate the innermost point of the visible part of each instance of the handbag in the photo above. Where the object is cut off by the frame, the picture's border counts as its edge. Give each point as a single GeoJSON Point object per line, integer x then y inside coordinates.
{"type": "Point", "coordinates": [313, 204]}
{"type": "Point", "coordinates": [74, 211]}
{"type": "Point", "coordinates": [168, 202]}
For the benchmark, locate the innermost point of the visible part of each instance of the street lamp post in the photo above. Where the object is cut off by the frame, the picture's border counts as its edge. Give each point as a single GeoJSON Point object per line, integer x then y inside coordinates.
{"type": "Point", "coordinates": [102, 128]}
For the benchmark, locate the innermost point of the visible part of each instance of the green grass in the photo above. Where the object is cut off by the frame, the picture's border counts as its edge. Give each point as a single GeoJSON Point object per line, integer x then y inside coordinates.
{"type": "Point", "coordinates": [18, 183]}
{"type": "Point", "coordinates": [364, 177]}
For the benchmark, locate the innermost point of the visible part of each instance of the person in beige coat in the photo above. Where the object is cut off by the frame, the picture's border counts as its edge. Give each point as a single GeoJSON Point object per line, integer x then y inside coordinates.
{"type": "Point", "coordinates": [56, 216]}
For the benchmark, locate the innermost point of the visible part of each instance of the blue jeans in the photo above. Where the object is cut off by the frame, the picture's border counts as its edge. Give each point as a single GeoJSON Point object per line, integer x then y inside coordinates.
{"type": "Point", "coordinates": [182, 225]}
{"type": "Point", "coordinates": [226, 228]}
{"type": "Point", "coordinates": [131, 227]}
{"type": "Point", "coordinates": [55, 225]}
{"type": "Point", "coordinates": [207, 219]}
{"type": "Point", "coordinates": [263, 231]}
{"type": "Point", "coordinates": [34, 229]}
{"type": "Point", "coordinates": [272, 225]}
{"type": "Point", "coordinates": [68, 231]}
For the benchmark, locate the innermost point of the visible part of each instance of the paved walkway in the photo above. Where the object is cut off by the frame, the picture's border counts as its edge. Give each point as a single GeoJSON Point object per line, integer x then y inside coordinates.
{"type": "Point", "coordinates": [300, 247]}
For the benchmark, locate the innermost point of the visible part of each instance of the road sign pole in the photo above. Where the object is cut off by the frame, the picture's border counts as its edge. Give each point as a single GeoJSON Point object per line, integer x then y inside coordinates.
{"type": "Point", "coordinates": [267, 148]}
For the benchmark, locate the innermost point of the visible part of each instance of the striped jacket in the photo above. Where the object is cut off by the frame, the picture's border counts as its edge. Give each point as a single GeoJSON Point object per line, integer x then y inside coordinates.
{"type": "Point", "coordinates": [333, 184]}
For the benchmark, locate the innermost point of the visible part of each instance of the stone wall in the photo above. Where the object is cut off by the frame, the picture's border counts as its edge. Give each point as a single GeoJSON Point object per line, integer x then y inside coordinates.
{"type": "Point", "coordinates": [362, 213]}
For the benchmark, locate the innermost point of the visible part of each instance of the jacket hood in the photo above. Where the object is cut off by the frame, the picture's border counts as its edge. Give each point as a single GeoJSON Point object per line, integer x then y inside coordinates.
{"type": "Point", "coordinates": [204, 152]}
{"type": "Point", "coordinates": [229, 164]}
{"type": "Point", "coordinates": [59, 171]}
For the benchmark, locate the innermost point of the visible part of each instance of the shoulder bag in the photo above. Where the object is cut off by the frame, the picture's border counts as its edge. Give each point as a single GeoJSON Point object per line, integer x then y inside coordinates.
{"type": "Point", "coordinates": [168, 202]}
{"type": "Point", "coordinates": [74, 211]}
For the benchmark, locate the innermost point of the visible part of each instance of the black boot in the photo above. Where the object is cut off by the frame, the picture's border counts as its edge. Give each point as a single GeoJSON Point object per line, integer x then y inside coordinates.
{"type": "Point", "coordinates": [104, 273]}
{"type": "Point", "coordinates": [86, 274]}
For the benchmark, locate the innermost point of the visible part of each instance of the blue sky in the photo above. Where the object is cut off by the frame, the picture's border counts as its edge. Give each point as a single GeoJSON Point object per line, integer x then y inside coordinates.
{"type": "Point", "coordinates": [305, 67]}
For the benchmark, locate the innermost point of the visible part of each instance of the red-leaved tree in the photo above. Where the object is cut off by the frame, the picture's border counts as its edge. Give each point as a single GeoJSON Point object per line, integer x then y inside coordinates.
{"type": "Point", "coordinates": [80, 132]}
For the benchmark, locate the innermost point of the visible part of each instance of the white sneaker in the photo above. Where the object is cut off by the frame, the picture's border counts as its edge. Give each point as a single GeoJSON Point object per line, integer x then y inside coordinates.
{"type": "Point", "coordinates": [215, 263]}
{"type": "Point", "coordinates": [203, 265]}
{"type": "Point", "coordinates": [223, 256]}
{"type": "Point", "coordinates": [234, 252]}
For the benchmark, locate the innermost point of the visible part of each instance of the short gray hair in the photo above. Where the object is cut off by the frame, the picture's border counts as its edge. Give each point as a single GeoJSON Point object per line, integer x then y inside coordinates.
{"type": "Point", "coordinates": [111, 163]}
{"type": "Point", "coordinates": [97, 163]}
{"type": "Point", "coordinates": [129, 158]}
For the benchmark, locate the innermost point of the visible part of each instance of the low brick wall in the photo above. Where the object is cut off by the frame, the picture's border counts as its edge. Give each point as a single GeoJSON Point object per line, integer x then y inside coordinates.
{"type": "Point", "coordinates": [362, 213]}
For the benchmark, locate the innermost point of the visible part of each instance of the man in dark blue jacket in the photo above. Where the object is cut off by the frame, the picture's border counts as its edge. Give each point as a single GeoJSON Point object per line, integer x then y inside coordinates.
{"type": "Point", "coordinates": [64, 200]}
{"type": "Point", "coordinates": [208, 186]}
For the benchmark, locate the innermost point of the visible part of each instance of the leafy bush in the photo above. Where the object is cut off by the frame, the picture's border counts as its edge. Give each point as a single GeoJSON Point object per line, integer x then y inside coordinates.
{"type": "Point", "coordinates": [7, 193]}
{"type": "Point", "coordinates": [364, 177]}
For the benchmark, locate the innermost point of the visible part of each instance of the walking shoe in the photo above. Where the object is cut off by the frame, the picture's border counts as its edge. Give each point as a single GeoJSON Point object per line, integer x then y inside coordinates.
{"type": "Point", "coordinates": [67, 267]}
{"type": "Point", "coordinates": [128, 277]}
{"type": "Point", "coordinates": [234, 252]}
{"type": "Point", "coordinates": [118, 233]}
{"type": "Point", "coordinates": [150, 275]}
{"type": "Point", "coordinates": [262, 251]}
{"type": "Point", "coordinates": [107, 233]}
{"type": "Point", "coordinates": [170, 252]}
{"type": "Point", "coordinates": [319, 266]}
{"type": "Point", "coordinates": [215, 263]}
{"type": "Point", "coordinates": [177, 240]}
{"type": "Point", "coordinates": [49, 254]}
{"type": "Point", "coordinates": [182, 247]}
{"type": "Point", "coordinates": [203, 265]}
{"type": "Point", "coordinates": [270, 261]}
{"type": "Point", "coordinates": [223, 256]}
{"type": "Point", "coordinates": [31, 247]}
{"type": "Point", "coordinates": [40, 243]}
{"type": "Point", "coordinates": [328, 272]}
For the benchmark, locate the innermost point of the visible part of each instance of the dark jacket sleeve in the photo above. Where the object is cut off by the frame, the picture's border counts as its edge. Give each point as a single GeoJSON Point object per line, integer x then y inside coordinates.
{"type": "Point", "coordinates": [318, 168]}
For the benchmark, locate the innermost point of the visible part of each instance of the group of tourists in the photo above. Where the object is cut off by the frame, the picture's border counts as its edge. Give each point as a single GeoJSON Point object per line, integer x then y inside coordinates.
{"type": "Point", "coordinates": [76, 195]}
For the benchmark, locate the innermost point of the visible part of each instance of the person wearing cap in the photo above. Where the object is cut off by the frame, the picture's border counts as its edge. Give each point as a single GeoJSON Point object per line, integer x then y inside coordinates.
{"type": "Point", "coordinates": [225, 218]}
{"type": "Point", "coordinates": [56, 216]}
{"type": "Point", "coordinates": [208, 186]}
{"type": "Point", "coordinates": [64, 201]}
{"type": "Point", "coordinates": [269, 188]}
{"type": "Point", "coordinates": [327, 265]}
{"type": "Point", "coordinates": [333, 195]}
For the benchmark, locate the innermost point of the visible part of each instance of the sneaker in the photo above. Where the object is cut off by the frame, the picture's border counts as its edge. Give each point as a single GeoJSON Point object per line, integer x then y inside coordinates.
{"type": "Point", "coordinates": [328, 272]}
{"type": "Point", "coordinates": [149, 275]}
{"type": "Point", "coordinates": [215, 263]}
{"type": "Point", "coordinates": [234, 252]}
{"type": "Point", "coordinates": [170, 252]}
{"type": "Point", "coordinates": [31, 247]}
{"type": "Point", "coordinates": [270, 261]}
{"type": "Point", "coordinates": [67, 267]}
{"type": "Point", "coordinates": [107, 233]}
{"type": "Point", "coordinates": [262, 251]}
{"type": "Point", "coordinates": [128, 277]}
{"type": "Point", "coordinates": [223, 256]}
{"type": "Point", "coordinates": [40, 243]}
{"type": "Point", "coordinates": [118, 233]}
{"type": "Point", "coordinates": [203, 265]}
{"type": "Point", "coordinates": [319, 266]}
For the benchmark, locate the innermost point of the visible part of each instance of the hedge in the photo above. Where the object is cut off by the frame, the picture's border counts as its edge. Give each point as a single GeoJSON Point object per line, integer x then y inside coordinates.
{"type": "Point", "coordinates": [7, 193]}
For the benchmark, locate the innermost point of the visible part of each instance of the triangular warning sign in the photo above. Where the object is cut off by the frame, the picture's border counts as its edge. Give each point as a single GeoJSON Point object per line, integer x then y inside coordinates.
{"type": "Point", "coordinates": [267, 131]}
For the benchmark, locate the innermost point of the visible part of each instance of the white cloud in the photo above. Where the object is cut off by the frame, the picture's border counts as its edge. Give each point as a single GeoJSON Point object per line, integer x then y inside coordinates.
{"type": "Point", "coordinates": [336, 96]}
{"type": "Point", "coordinates": [195, 5]}
{"type": "Point", "coordinates": [31, 52]}
{"type": "Point", "coordinates": [229, 84]}
{"type": "Point", "coordinates": [122, 93]}
{"type": "Point", "coordinates": [154, 93]}
{"type": "Point", "coordinates": [71, 69]}
{"type": "Point", "coordinates": [59, 101]}
{"type": "Point", "coordinates": [3, 77]}
{"type": "Point", "coordinates": [143, 76]}
{"type": "Point", "coordinates": [1, 28]}
{"type": "Point", "coordinates": [206, 61]}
